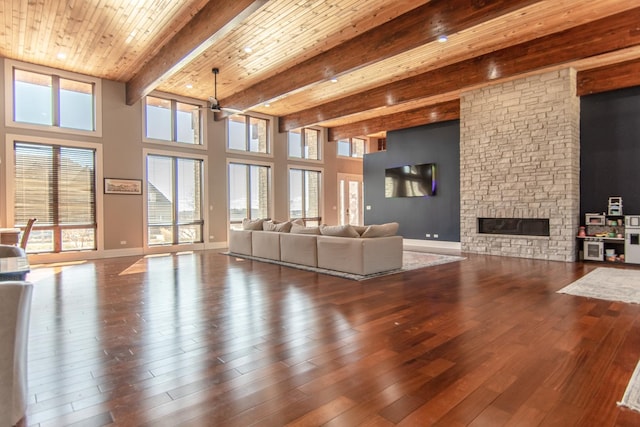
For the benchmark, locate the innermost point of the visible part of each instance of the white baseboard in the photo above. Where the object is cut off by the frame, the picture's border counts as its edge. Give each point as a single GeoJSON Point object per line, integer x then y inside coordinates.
{"type": "Point", "coordinates": [425, 245]}
{"type": "Point", "coordinates": [217, 245]}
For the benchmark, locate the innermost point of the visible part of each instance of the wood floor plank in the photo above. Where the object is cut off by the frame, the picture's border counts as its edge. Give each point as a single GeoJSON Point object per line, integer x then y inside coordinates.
{"type": "Point", "coordinates": [207, 339]}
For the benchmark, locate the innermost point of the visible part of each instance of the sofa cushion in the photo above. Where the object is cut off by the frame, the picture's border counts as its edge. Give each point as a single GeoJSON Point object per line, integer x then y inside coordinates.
{"type": "Point", "coordinates": [301, 229]}
{"type": "Point", "coordinates": [298, 249]}
{"type": "Point", "coordinates": [281, 227]}
{"type": "Point", "coordinates": [252, 224]}
{"type": "Point", "coordinates": [265, 244]}
{"type": "Point", "coordinates": [338, 231]}
{"type": "Point", "coordinates": [382, 230]}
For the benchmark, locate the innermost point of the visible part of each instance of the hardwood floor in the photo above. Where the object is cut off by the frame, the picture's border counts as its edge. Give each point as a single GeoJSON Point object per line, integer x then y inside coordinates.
{"type": "Point", "coordinates": [204, 339]}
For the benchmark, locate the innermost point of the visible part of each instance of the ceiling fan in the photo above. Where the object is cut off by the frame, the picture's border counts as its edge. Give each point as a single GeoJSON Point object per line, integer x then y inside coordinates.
{"type": "Point", "coordinates": [214, 104]}
{"type": "Point", "coordinates": [213, 100]}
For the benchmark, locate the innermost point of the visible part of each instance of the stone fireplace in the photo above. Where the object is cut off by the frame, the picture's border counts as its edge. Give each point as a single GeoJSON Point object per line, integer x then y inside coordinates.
{"type": "Point", "coordinates": [520, 159]}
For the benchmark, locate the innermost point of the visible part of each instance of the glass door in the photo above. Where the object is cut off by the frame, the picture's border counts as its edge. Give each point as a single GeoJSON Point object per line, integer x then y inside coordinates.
{"type": "Point", "coordinates": [350, 199]}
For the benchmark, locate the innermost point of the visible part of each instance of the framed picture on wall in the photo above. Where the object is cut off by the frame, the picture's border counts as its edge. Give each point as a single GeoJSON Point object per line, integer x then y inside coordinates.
{"type": "Point", "coordinates": [122, 186]}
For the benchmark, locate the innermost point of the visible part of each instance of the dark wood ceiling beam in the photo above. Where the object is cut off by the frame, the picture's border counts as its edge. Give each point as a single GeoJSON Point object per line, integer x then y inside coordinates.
{"type": "Point", "coordinates": [598, 37]}
{"type": "Point", "coordinates": [413, 29]}
{"type": "Point", "coordinates": [610, 77]}
{"type": "Point", "coordinates": [212, 22]}
{"type": "Point", "coordinates": [442, 112]}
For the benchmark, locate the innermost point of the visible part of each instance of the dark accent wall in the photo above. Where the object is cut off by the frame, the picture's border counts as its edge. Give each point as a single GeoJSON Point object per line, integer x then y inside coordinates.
{"type": "Point", "coordinates": [436, 143]}
{"type": "Point", "coordinates": [610, 150]}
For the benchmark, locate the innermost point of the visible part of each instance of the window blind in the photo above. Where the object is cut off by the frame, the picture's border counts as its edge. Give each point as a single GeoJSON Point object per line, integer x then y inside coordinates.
{"type": "Point", "coordinates": [55, 184]}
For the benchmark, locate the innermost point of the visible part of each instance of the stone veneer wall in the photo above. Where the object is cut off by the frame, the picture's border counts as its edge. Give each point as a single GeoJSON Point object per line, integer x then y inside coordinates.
{"type": "Point", "coordinates": [520, 158]}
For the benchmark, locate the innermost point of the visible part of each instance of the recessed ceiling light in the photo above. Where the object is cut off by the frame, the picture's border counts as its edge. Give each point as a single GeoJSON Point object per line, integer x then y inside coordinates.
{"type": "Point", "coordinates": [267, 105]}
{"type": "Point", "coordinates": [61, 55]}
{"type": "Point", "coordinates": [189, 86]}
{"type": "Point", "coordinates": [442, 38]}
{"type": "Point", "coordinates": [248, 49]}
{"type": "Point", "coordinates": [132, 34]}
{"type": "Point", "coordinates": [334, 80]}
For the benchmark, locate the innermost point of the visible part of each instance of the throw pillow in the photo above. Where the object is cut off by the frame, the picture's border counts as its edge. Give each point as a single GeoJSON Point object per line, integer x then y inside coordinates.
{"type": "Point", "coordinates": [298, 221]}
{"type": "Point", "coordinates": [338, 231]}
{"type": "Point", "coordinates": [301, 229]}
{"type": "Point", "coordinates": [382, 230]}
{"type": "Point", "coordinates": [281, 227]}
{"type": "Point", "coordinates": [360, 228]}
{"type": "Point", "coordinates": [252, 224]}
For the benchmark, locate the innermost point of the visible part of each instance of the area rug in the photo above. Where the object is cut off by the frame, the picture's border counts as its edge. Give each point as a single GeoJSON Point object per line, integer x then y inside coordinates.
{"type": "Point", "coordinates": [410, 261]}
{"type": "Point", "coordinates": [612, 284]}
{"type": "Point", "coordinates": [631, 398]}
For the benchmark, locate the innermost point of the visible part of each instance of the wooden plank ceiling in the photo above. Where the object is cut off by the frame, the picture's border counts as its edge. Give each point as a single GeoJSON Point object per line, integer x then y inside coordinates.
{"type": "Point", "coordinates": [278, 57]}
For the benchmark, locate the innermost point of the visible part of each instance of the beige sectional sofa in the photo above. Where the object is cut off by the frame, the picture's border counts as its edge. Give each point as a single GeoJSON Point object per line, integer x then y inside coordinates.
{"type": "Point", "coordinates": [361, 255]}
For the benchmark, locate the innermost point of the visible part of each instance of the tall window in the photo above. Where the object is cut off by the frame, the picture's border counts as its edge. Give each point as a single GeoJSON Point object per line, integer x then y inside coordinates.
{"type": "Point", "coordinates": [247, 133]}
{"type": "Point", "coordinates": [249, 192]}
{"type": "Point", "coordinates": [352, 147]}
{"type": "Point", "coordinates": [172, 121]}
{"type": "Point", "coordinates": [304, 144]}
{"type": "Point", "coordinates": [51, 100]}
{"type": "Point", "coordinates": [174, 200]}
{"type": "Point", "coordinates": [56, 185]}
{"type": "Point", "coordinates": [304, 195]}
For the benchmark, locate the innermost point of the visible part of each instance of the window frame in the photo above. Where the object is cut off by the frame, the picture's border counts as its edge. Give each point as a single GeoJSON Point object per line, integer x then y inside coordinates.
{"type": "Point", "coordinates": [205, 202]}
{"type": "Point", "coordinates": [351, 150]}
{"type": "Point", "coordinates": [270, 135]}
{"type": "Point", "coordinates": [10, 65]}
{"type": "Point", "coordinates": [230, 160]}
{"type": "Point", "coordinates": [321, 140]}
{"type": "Point", "coordinates": [174, 99]}
{"type": "Point", "coordinates": [11, 139]}
{"type": "Point", "coordinates": [320, 192]}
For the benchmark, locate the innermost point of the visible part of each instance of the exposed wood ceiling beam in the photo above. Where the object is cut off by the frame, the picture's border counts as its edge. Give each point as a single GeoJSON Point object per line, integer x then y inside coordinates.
{"type": "Point", "coordinates": [449, 110]}
{"type": "Point", "coordinates": [611, 77]}
{"type": "Point", "coordinates": [212, 22]}
{"type": "Point", "coordinates": [598, 37]}
{"type": "Point", "coordinates": [413, 29]}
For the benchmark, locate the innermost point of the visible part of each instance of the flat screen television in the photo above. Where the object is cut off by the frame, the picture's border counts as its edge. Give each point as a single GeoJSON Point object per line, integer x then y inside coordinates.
{"type": "Point", "coordinates": [410, 181]}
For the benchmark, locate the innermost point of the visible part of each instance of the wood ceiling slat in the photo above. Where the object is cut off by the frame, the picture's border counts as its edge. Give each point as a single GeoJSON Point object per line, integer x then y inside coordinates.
{"type": "Point", "coordinates": [134, 15]}
{"type": "Point", "coordinates": [605, 35]}
{"type": "Point", "coordinates": [129, 15]}
{"type": "Point", "coordinates": [514, 28]}
{"type": "Point", "coordinates": [425, 22]}
{"type": "Point", "coordinates": [89, 32]}
{"type": "Point", "coordinates": [49, 16]}
{"type": "Point", "coordinates": [228, 55]}
{"type": "Point", "coordinates": [212, 22]}
{"type": "Point", "coordinates": [99, 36]}
{"type": "Point", "coordinates": [21, 27]}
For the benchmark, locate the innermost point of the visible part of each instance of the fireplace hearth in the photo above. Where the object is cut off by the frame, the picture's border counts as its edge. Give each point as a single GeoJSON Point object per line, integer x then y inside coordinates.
{"type": "Point", "coordinates": [514, 226]}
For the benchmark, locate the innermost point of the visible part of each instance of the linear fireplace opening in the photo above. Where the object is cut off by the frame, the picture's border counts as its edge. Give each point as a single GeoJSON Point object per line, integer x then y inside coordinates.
{"type": "Point", "coordinates": [514, 226]}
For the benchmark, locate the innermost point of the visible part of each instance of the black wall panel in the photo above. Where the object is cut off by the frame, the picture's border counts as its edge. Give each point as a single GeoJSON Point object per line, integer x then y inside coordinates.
{"type": "Point", "coordinates": [437, 143]}
{"type": "Point", "coordinates": [610, 150]}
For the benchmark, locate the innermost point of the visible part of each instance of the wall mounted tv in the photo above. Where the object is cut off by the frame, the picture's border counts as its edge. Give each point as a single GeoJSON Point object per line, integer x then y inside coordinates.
{"type": "Point", "coordinates": [410, 181]}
